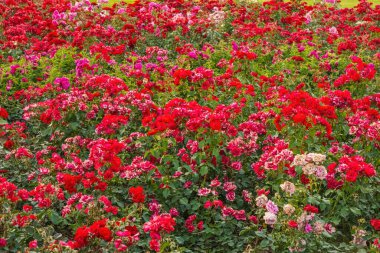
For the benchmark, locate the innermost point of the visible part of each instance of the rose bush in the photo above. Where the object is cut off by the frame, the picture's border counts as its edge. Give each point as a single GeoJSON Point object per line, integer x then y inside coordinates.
{"type": "Point", "coordinates": [181, 126]}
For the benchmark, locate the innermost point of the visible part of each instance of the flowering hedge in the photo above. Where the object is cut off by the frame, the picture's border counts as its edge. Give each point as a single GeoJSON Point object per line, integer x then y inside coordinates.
{"type": "Point", "coordinates": [175, 126]}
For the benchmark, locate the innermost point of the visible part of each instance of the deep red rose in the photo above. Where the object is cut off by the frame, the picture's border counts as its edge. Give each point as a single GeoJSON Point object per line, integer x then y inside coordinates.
{"type": "Point", "coordinates": [376, 224]}
{"type": "Point", "coordinates": [154, 245]}
{"type": "Point", "coordinates": [3, 113]}
{"type": "Point", "coordinates": [3, 242]}
{"type": "Point", "coordinates": [311, 209]}
{"type": "Point", "coordinates": [70, 182]}
{"type": "Point", "coordinates": [105, 234]}
{"type": "Point", "coordinates": [305, 179]}
{"type": "Point", "coordinates": [300, 118]}
{"type": "Point", "coordinates": [132, 229]}
{"type": "Point", "coordinates": [8, 144]}
{"type": "Point", "coordinates": [81, 237]}
{"type": "Point", "coordinates": [351, 176]}
{"type": "Point", "coordinates": [137, 194]}
{"type": "Point", "coordinates": [253, 219]}
{"type": "Point", "coordinates": [292, 224]}
{"type": "Point", "coordinates": [46, 117]}
{"type": "Point", "coordinates": [215, 124]}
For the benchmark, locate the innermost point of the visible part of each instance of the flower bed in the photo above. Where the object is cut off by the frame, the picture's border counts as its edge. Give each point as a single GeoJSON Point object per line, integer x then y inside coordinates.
{"type": "Point", "coordinates": [214, 126]}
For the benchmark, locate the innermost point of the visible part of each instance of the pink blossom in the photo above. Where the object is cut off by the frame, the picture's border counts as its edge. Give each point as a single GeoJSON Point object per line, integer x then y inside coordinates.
{"type": "Point", "coordinates": [230, 196]}
{"type": "Point", "coordinates": [271, 207]}
{"type": "Point", "coordinates": [33, 244]}
{"type": "Point", "coordinates": [204, 192]}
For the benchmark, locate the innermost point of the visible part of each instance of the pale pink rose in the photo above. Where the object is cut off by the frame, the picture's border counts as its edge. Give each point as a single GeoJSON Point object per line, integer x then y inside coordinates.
{"type": "Point", "coordinates": [261, 200]}
{"type": "Point", "coordinates": [271, 207]}
{"type": "Point", "coordinates": [270, 218]}
{"type": "Point", "coordinates": [288, 187]}
{"type": "Point", "coordinates": [288, 209]}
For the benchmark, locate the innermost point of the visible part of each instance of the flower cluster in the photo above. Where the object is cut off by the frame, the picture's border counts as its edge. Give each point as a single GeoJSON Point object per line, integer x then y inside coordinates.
{"type": "Point", "coordinates": [189, 126]}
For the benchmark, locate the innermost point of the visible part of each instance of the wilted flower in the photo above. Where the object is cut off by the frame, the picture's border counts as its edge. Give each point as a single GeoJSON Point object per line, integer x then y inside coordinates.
{"type": "Point", "coordinates": [309, 169]}
{"type": "Point", "coordinates": [217, 16]}
{"type": "Point", "coordinates": [329, 228]}
{"type": "Point", "coordinates": [261, 200]}
{"type": "Point", "coordinates": [288, 187]}
{"type": "Point", "coordinates": [318, 227]}
{"type": "Point", "coordinates": [288, 209]}
{"type": "Point", "coordinates": [299, 160]}
{"type": "Point", "coordinates": [270, 218]}
{"type": "Point", "coordinates": [316, 158]}
{"type": "Point", "coordinates": [320, 172]}
{"type": "Point", "coordinates": [358, 238]}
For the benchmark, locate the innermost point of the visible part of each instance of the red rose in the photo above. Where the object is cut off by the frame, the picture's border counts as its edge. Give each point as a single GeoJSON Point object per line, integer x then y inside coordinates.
{"type": "Point", "coordinates": [369, 171]}
{"type": "Point", "coordinates": [132, 229]}
{"type": "Point", "coordinates": [3, 242]}
{"type": "Point", "coordinates": [311, 209]}
{"type": "Point", "coordinates": [200, 225]}
{"type": "Point", "coordinates": [81, 236]}
{"type": "Point", "coordinates": [215, 125]}
{"type": "Point", "coordinates": [154, 245]}
{"type": "Point", "coordinates": [70, 182]}
{"type": "Point", "coordinates": [253, 219]}
{"type": "Point", "coordinates": [305, 179]}
{"type": "Point", "coordinates": [8, 144]}
{"type": "Point", "coordinates": [351, 176]}
{"type": "Point", "coordinates": [105, 234]}
{"type": "Point", "coordinates": [292, 224]}
{"type": "Point", "coordinates": [375, 224]}
{"type": "Point", "coordinates": [137, 194]}
{"type": "Point", "coordinates": [3, 113]}
{"type": "Point", "coordinates": [300, 118]}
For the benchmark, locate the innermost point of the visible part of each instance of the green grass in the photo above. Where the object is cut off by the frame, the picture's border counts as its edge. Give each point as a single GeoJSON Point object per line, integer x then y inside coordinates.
{"type": "Point", "coordinates": [349, 3]}
{"type": "Point", "coordinates": [110, 2]}
{"type": "Point", "coordinates": [344, 3]}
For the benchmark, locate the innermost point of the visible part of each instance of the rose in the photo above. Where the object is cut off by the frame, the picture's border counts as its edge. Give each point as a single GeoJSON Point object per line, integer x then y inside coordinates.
{"type": "Point", "coordinates": [288, 209]}
{"type": "Point", "coordinates": [270, 218]}
{"type": "Point", "coordinates": [33, 244]}
{"type": "Point", "coordinates": [137, 194]}
{"type": "Point", "coordinates": [292, 224]}
{"type": "Point", "coordinates": [376, 224]}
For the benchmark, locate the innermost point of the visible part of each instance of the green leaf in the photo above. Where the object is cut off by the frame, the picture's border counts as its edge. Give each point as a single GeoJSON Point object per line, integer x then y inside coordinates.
{"type": "Point", "coordinates": [355, 210]}
{"type": "Point", "coordinates": [164, 246]}
{"type": "Point", "coordinates": [203, 171]}
{"type": "Point", "coordinates": [313, 200]}
{"type": "Point", "coordinates": [184, 201]}
{"type": "Point", "coordinates": [196, 206]}
{"type": "Point", "coordinates": [166, 192]}
{"type": "Point", "coordinates": [299, 170]}
{"type": "Point", "coordinates": [180, 240]}
{"type": "Point", "coordinates": [55, 218]}
{"type": "Point", "coordinates": [335, 220]}
{"type": "Point", "coordinates": [344, 212]}
{"type": "Point", "coordinates": [264, 243]}
{"type": "Point", "coordinates": [260, 233]}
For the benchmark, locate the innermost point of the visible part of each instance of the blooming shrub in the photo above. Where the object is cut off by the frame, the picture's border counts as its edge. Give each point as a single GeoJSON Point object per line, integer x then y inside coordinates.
{"type": "Point", "coordinates": [189, 126]}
